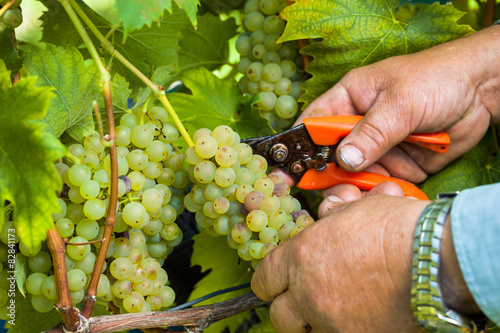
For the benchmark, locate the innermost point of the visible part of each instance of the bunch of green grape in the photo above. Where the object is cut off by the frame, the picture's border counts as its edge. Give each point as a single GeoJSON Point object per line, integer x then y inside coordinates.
{"type": "Point", "coordinates": [150, 193]}
{"type": "Point", "coordinates": [234, 197]}
{"type": "Point", "coordinates": [12, 16]}
{"type": "Point", "coordinates": [270, 70]}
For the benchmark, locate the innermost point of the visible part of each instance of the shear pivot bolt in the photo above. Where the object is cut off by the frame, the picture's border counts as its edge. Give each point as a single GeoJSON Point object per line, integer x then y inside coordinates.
{"type": "Point", "coordinates": [279, 152]}
{"type": "Point", "coordinates": [297, 168]}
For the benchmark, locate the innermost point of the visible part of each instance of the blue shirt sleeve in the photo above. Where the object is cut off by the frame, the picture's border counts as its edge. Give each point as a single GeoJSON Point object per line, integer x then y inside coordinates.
{"type": "Point", "coordinates": [475, 227]}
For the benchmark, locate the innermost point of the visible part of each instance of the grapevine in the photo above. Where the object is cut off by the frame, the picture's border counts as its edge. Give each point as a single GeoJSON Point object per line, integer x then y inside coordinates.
{"type": "Point", "coordinates": [116, 144]}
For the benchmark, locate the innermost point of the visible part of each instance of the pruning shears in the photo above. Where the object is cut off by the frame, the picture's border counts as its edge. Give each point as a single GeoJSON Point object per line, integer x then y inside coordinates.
{"type": "Point", "coordinates": [307, 153]}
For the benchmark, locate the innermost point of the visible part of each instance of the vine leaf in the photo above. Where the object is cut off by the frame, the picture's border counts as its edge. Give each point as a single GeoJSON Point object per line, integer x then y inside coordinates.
{"type": "Point", "coordinates": [355, 33]}
{"type": "Point", "coordinates": [21, 272]}
{"type": "Point", "coordinates": [120, 92]}
{"type": "Point", "coordinates": [215, 102]}
{"type": "Point", "coordinates": [137, 14]}
{"type": "Point", "coordinates": [75, 84]}
{"type": "Point", "coordinates": [213, 253]}
{"type": "Point", "coordinates": [28, 179]}
{"type": "Point", "coordinates": [9, 53]}
{"type": "Point", "coordinates": [465, 172]}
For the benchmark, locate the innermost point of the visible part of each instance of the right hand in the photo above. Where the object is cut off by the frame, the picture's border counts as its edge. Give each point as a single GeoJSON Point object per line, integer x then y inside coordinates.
{"type": "Point", "coordinates": [452, 87]}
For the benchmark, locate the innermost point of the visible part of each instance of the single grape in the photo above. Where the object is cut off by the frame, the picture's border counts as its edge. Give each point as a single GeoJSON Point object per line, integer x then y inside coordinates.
{"type": "Point", "coordinates": [243, 44]}
{"type": "Point", "coordinates": [34, 283]}
{"type": "Point", "coordinates": [42, 304]}
{"type": "Point", "coordinates": [167, 295]}
{"type": "Point", "coordinates": [87, 265]}
{"type": "Point", "coordinates": [41, 262]}
{"type": "Point", "coordinates": [30, 251]}
{"type": "Point", "coordinates": [92, 142]}
{"type": "Point", "coordinates": [120, 268]}
{"type": "Point", "coordinates": [206, 146]}
{"type": "Point", "coordinates": [254, 21]}
{"type": "Point", "coordinates": [273, 25]}
{"type": "Point", "coordinates": [142, 136]}
{"type": "Point", "coordinates": [244, 152]}
{"type": "Point", "coordinates": [122, 288]}
{"type": "Point", "coordinates": [103, 287]}
{"type": "Point", "coordinates": [241, 233]}
{"type": "Point", "coordinates": [204, 171]}
{"type": "Point", "coordinates": [123, 134]}
{"type": "Point", "coordinates": [169, 134]}
{"type": "Point", "coordinates": [259, 51]}
{"type": "Point", "coordinates": [76, 250]}
{"type": "Point", "coordinates": [123, 247]}
{"type": "Point", "coordinates": [257, 37]}
{"type": "Point", "coordinates": [244, 250]}
{"type": "Point", "coordinates": [135, 215]}
{"type": "Point", "coordinates": [257, 220]}
{"type": "Point", "coordinates": [254, 72]}
{"type": "Point", "coordinates": [269, 7]}
{"type": "Point", "coordinates": [267, 100]}
{"type": "Point", "coordinates": [271, 57]}
{"type": "Point", "coordinates": [94, 209]}
{"type": "Point", "coordinates": [49, 289]}
{"type": "Point", "coordinates": [134, 302]}
{"type": "Point", "coordinates": [76, 279]}
{"type": "Point", "coordinates": [255, 249]}
{"type": "Point", "coordinates": [271, 43]}
{"type": "Point", "coordinates": [285, 230]}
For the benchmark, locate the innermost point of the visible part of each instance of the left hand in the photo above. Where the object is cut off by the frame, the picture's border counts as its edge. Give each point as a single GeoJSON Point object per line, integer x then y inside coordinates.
{"type": "Point", "coordinates": [348, 272]}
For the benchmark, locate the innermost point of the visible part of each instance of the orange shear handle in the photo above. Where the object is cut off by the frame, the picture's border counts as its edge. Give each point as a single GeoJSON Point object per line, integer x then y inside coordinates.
{"type": "Point", "coordinates": [327, 131]}
{"type": "Point", "coordinates": [334, 175]}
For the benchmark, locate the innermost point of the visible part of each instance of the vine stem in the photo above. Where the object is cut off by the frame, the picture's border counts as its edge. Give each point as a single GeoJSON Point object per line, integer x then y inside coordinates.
{"type": "Point", "coordinates": [199, 317]}
{"type": "Point", "coordinates": [158, 91]}
{"type": "Point", "coordinates": [57, 248]}
{"type": "Point", "coordinates": [111, 137]}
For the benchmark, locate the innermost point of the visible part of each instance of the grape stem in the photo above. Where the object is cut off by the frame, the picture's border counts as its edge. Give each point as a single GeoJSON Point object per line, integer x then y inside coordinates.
{"type": "Point", "coordinates": [57, 248]}
{"type": "Point", "coordinates": [158, 91]}
{"type": "Point", "coordinates": [7, 6]}
{"type": "Point", "coordinates": [70, 6]}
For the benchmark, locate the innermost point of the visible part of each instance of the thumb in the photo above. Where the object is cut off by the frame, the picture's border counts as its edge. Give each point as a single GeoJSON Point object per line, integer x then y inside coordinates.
{"type": "Point", "coordinates": [378, 131]}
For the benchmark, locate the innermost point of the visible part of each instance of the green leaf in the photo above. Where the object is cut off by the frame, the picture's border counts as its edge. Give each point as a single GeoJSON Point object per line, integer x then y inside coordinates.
{"type": "Point", "coordinates": [137, 14]}
{"type": "Point", "coordinates": [20, 272]}
{"type": "Point", "coordinates": [120, 93]}
{"type": "Point", "coordinates": [355, 33]}
{"type": "Point", "coordinates": [493, 171]}
{"type": "Point", "coordinates": [75, 84]}
{"type": "Point", "coordinates": [215, 102]}
{"type": "Point", "coordinates": [213, 253]}
{"type": "Point", "coordinates": [161, 77]}
{"type": "Point", "coordinates": [465, 172]}
{"type": "Point", "coordinates": [28, 179]}
{"type": "Point", "coordinates": [9, 54]}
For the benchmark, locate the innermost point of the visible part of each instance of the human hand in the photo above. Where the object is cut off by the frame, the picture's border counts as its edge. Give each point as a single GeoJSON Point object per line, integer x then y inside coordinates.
{"type": "Point", "coordinates": [451, 87]}
{"type": "Point", "coordinates": [348, 272]}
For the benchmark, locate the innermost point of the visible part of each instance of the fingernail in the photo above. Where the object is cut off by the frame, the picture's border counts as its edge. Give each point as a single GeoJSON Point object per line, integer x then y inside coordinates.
{"type": "Point", "coordinates": [334, 198]}
{"type": "Point", "coordinates": [351, 156]}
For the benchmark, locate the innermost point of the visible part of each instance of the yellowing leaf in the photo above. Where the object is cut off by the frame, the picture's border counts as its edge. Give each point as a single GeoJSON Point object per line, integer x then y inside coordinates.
{"type": "Point", "coordinates": [75, 85]}
{"type": "Point", "coordinates": [355, 33]}
{"type": "Point", "coordinates": [28, 177]}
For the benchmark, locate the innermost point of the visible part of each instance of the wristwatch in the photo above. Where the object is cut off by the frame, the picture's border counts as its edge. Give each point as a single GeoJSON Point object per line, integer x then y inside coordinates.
{"type": "Point", "coordinates": [426, 300]}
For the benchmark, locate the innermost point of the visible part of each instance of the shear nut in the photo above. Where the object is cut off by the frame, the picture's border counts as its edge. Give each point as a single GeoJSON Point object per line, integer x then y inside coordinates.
{"type": "Point", "coordinates": [297, 167]}
{"type": "Point", "coordinates": [279, 152]}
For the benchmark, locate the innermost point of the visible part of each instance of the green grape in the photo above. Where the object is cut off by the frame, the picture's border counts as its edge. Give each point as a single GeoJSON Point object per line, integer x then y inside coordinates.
{"type": "Point", "coordinates": [253, 87]}
{"type": "Point", "coordinates": [63, 209]}
{"type": "Point", "coordinates": [142, 136]}
{"type": "Point", "coordinates": [152, 170]}
{"type": "Point", "coordinates": [212, 191]}
{"type": "Point", "coordinates": [270, 204]}
{"type": "Point", "coordinates": [123, 247]}
{"type": "Point", "coordinates": [197, 194]}
{"type": "Point", "coordinates": [152, 199]}
{"type": "Point", "coordinates": [271, 43]}
{"type": "Point", "coordinates": [226, 156]}
{"type": "Point", "coordinates": [190, 205]}
{"type": "Point", "coordinates": [175, 161]}
{"type": "Point", "coordinates": [287, 52]}
{"type": "Point", "coordinates": [304, 221]}
{"type": "Point", "coordinates": [75, 196]}
{"type": "Point", "coordinates": [285, 230]}
{"type": "Point", "coordinates": [49, 289]}
{"type": "Point", "coordinates": [120, 268]}
{"type": "Point", "coordinates": [209, 211]}
{"type": "Point", "coordinates": [201, 132]}
{"type": "Point", "coordinates": [254, 21]}
{"type": "Point", "coordinates": [153, 227]}
{"type": "Point", "coordinates": [254, 72]}
{"type": "Point", "coordinates": [167, 177]}
{"type": "Point", "coordinates": [256, 220]}
{"type": "Point", "coordinates": [155, 302]}
{"type": "Point", "coordinates": [283, 86]}
{"type": "Point", "coordinates": [157, 250]}
{"type": "Point", "coordinates": [244, 250]}
{"type": "Point", "coordinates": [136, 255]}
{"type": "Point", "coordinates": [251, 6]}
{"type": "Point", "coordinates": [70, 262]}
{"type": "Point", "coordinates": [76, 279]}
{"type": "Point", "coordinates": [170, 231]}
{"type": "Point", "coordinates": [241, 233]}
{"type": "Point", "coordinates": [206, 146]}
{"type": "Point", "coordinates": [137, 160]}
{"type": "Point", "coordinates": [129, 120]}
{"type": "Point", "coordinates": [87, 229]}
{"type": "Point", "coordinates": [257, 37]}
{"type": "Point", "coordinates": [167, 295]}
{"type": "Point", "coordinates": [101, 177]}
{"type": "Point", "coordinates": [269, 234]}
{"type": "Point", "coordinates": [191, 156]}
{"type": "Point", "coordinates": [135, 215]}
{"type": "Point", "coordinates": [173, 243]}
{"type": "Point", "coordinates": [157, 151]}
{"type": "Point", "coordinates": [122, 288]}
{"type": "Point", "coordinates": [87, 265]}
{"type": "Point", "coordinates": [91, 159]}
{"type": "Point", "coordinates": [41, 303]}
{"type": "Point", "coordinates": [166, 193]}
{"type": "Point", "coordinates": [269, 7]}
{"type": "Point", "coordinates": [34, 283]}
{"type": "Point", "coordinates": [176, 202]}
{"type": "Point", "coordinates": [242, 192]}
{"type": "Point", "coordinates": [137, 179]}
{"type": "Point", "coordinates": [257, 164]}
{"type": "Point", "coordinates": [123, 165]}
{"type": "Point", "coordinates": [255, 249]}
{"type": "Point", "coordinates": [267, 100]}
{"type": "Point", "coordinates": [103, 287]}
{"type": "Point", "coordinates": [231, 242]}
{"type": "Point", "coordinates": [77, 295]}
{"type": "Point", "coordinates": [123, 134]}
{"type": "Point", "coordinates": [267, 248]}
{"type": "Point", "coordinates": [92, 142]}
{"type": "Point", "coordinates": [159, 113]}
{"type": "Point", "coordinates": [134, 302]}
{"type": "Point", "coordinates": [234, 207]}
{"type": "Point", "coordinates": [281, 189]}
{"type": "Point", "coordinates": [204, 171]}
{"type": "Point", "coordinates": [259, 51]}
{"type": "Point", "coordinates": [94, 209]}
{"type": "Point", "coordinates": [224, 177]}
{"type": "Point", "coordinates": [122, 151]}
{"type": "Point", "coordinates": [13, 17]}
{"type": "Point", "coordinates": [243, 81]}
{"type": "Point", "coordinates": [120, 224]}
{"type": "Point", "coordinates": [296, 230]}
{"type": "Point", "coordinates": [169, 133]}
{"type": "Point", "coordinates": [30, 252]}
{"type": "Point", "coordinates": [244, 176]}
{"type": "Point", "coordinates": [243, 44]}
{"type": "Point", "coordinates": [230, 192]}
{"type": "Point", "coordinates": [221, 205]}
{"type": "Point", "coordinates": [77, 251]}
{"type": "Point", "coordinates": [41, 262]}
{"type": "Point", "coordinates": [244, 152]}
{"type": "Point", "coordinates": [221, 225]}
{"type": "Point", "coordinates": [138, 274]}
{"type": "Point", "coordinates": [76, 149]}
{"type": "Point", "coordinates": [296, 90]}
{"type": "Point", "coordinates": [151, 267]}
{"type": "Point", "coordinates": [273, 25]}
{"type": "Point", "coordinates": [271, 57]}
{"type": "Point", "coordinates": [265, 86]}
{"type": "Point", "coordinates": [272, 72]}
{"type": "Point", "coordinates": [181, 179]}
{"type": "Point", "coordinates": [287, 203]}
{"type": "Point", "coordinates": [168, 214]}
{"type": "Point", "coordinates": [264, 185]}
{"type": "Point", "coordinates": [62, 169]}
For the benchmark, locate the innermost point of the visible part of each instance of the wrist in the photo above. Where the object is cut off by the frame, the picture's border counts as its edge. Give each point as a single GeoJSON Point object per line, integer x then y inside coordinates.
{"type": "Point", "coordinates": [454, 290]}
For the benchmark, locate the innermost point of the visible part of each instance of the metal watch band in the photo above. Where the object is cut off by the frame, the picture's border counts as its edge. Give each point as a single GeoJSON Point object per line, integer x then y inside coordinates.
{"type": "Point", "coordinates": [426, 300]}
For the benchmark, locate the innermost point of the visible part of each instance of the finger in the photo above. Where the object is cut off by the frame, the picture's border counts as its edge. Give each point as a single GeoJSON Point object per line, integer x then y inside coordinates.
{"type": "Point", "coordinates": [329, 205]}
{"type": "Point", "coordinates": [398, 163]}
{"type": "Point", "coordinates": [345, 192]}
{"type": "Point", "coordinates": [387, 188]}
{"type": "Point", "coordinates": [285, 317]}
{"type": "Point", "coordinates": [271, 277]}
{"type": "Point", "coordinates": [382, 128]}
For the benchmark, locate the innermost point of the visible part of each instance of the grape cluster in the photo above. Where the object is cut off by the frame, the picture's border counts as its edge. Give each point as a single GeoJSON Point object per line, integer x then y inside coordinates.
{"type": "Point", "coordinates": [234, 197]}
{"type": "Point", "coordinates": [150, 195]}
{"type": "Point", "coordinates": [12, 16]}
{"type": "Point", "coordinates": [270, 69]}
